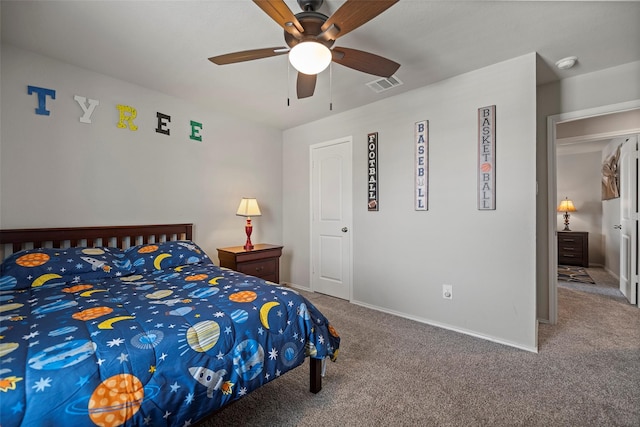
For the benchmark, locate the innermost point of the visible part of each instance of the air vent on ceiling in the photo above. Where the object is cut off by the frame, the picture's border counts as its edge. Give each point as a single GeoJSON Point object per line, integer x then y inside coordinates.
{"type": "Point", "coordinates": [384, 84]}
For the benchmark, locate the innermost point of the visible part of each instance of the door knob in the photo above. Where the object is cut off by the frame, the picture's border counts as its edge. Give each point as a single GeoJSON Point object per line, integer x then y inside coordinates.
{"type": "Point", "coordinates": [618, 226]}
{"type": "Point", "coordinates": [345, 229]}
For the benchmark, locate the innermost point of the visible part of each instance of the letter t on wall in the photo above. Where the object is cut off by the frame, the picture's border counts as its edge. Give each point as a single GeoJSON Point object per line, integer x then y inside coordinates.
{"type": "Point", "coordinates": [42, 98]}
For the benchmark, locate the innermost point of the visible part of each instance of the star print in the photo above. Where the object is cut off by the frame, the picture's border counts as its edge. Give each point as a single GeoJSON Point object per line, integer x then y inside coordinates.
{"type": "Point", "coordinates": [188, 422]}
{"type": "Point", "coordinates": [242, 391]}
{"type": "Point", "coordinates": [152, 369]}
{"type": "Point", "coordinates": [266, 376]}
{"type": "Point", "coordinates": [123, 358]}
{"type": "Point", "coordinates": [100, 362]}
{"type": "Point", "coordinates": [166, 415]}
{"type": "Point", "coordinates": [218, 314]}
{"type": "Point", "coordinates": [172, 326]}
{"type": "Point", "coordinates": [31, 335]}
{"type": "Point", "coordinates": [94, 333]}
{"type": "Point", "coordinates": [189, 398]}
{"type": "Point", "coordinates": [159, 325]}
{"type": "Point", "coordinates": [278, 372]}
{"type": "Point", "coordinates": [82, 381]}
{"type": "Point", "coordinates": [164, 356]}
{"type": "Point", "coordinates": [273, 354]}
{"type": "Point", "coordinates": [115, 342]}
{"type": "Point", "coordinates": [174, 387]}
{"type": "Point", "coordinates": [42, 384]}
{"type": "Point", "coordinates": [260, 330]}
{"type": "Point", "coordinates": [147, 420]}
{"type": "Point", "coordinates": [227, 330]}
{"type": "Point", "coordinates": [321, 339]}
{"type": "Point", "coordinates": [18, 407]}
{"type": "Point", "coordinates": [31, 344]}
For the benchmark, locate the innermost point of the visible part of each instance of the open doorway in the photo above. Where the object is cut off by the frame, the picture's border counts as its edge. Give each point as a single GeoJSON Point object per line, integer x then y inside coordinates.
{"type": "Point", "coordinates": [592, 135]}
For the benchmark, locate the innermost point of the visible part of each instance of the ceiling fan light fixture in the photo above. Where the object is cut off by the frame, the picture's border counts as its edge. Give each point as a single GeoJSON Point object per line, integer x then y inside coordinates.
{"type": "Point", "coordinates": [310, 57]}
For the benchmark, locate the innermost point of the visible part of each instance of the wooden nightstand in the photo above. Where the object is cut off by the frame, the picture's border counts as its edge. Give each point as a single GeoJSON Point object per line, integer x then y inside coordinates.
{"type": "Point", "coordinates": [263, 261]}
{"type": "Point", "coordinates": [573, 248]}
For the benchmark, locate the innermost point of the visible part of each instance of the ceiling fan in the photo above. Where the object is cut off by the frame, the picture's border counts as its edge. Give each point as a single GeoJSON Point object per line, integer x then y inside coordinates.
{"type": "Point", "coordinates": [314, 31]}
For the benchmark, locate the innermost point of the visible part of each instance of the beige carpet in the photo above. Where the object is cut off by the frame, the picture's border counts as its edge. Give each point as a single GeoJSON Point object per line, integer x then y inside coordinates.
{"type": "Point", "coordinates": [396, 372]}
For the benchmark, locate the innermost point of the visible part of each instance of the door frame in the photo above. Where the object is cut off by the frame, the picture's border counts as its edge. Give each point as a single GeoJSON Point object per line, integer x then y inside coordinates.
{"type": "Point", "coordinates": [344, 140]}
{"type": "Point", "coordinates": [552, 187]}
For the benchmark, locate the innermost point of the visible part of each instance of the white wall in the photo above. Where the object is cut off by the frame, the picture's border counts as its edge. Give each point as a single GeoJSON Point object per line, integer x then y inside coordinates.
{"type": "Point", "coordinates": [579, 178]}
{"type": "Point", "coordinates": [402, 257]}
{"type": "Point", "coordinates": [606, 87]}
{"type": "Point", "coordinates": [57, 171]}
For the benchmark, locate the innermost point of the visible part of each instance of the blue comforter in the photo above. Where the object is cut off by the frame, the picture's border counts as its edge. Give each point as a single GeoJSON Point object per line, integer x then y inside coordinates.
{"type": "Point", "coordinates": [143, 341]}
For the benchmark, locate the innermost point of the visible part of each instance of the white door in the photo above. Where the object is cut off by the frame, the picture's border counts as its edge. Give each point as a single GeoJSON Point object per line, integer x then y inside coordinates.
{"type": "Point", "coordinates": [331, 210]}
{"type": "Point", "coordinates": [629, 219]}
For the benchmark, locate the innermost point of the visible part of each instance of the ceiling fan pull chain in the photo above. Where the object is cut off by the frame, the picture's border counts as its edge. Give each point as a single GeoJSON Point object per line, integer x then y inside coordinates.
{"type": "Point", "coordinates": [288, 83]}
{"type": "Point", "coordinates": [331, 87]}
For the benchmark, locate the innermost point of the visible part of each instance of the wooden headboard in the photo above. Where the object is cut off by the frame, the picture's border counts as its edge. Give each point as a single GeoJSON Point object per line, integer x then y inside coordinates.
{"type": "Point", "coordinates": [121, 236]}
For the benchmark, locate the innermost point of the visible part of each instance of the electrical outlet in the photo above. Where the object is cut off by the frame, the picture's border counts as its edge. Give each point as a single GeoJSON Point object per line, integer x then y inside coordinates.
{"type": "Point", "coordinates": [447, 291]}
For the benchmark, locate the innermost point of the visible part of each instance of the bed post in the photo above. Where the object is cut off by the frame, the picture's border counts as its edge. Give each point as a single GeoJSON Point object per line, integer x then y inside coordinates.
{"type": "Point", "coordinates": [315, 370]}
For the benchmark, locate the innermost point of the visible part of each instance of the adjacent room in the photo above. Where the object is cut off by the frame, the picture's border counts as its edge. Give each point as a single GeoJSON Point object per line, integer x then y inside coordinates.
{"type": "Point", "coordinates": [432, 220]}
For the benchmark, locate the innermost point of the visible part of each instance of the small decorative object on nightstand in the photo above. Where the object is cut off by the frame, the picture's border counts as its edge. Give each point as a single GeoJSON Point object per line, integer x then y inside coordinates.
{"type": "Point", "coordinates": [573, 248]}
{"type": "Point", "coordinates": [566, 206]}
{"type": "Point", "coordinates": [248, 208]}
{"type": "Point", "coordinates": [262, 261]}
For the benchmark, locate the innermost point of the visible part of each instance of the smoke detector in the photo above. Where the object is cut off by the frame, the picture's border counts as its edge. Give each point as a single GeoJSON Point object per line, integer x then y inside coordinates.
{"type": "Point", "coordinates": [566, 63]}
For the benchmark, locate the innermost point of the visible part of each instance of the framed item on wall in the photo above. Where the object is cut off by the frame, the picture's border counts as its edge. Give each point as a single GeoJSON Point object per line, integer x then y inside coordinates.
{"type": "Point", "coordinates": [422, 166]}
{"type": "Point", "coordinates": [487, 158]}
{"type": "Point", "coordinates": [372, 171]}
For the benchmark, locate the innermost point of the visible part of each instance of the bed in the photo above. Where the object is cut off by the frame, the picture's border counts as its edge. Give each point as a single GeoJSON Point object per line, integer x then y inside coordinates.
{"type": "Point", "coordinates": [135, 325]}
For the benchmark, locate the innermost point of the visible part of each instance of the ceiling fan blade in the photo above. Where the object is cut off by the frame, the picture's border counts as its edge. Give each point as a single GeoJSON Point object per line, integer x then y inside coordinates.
{"type": "Point", "coordinates": [306, 85]}
{"type": "Point", "coordinates": [248, 55]}
{"type": "Point", "coordinates": [280, 12]}
{"type": "Point", "coordinates": [354, 13]}
{"type": "Point", "coordinates": [364, 61]}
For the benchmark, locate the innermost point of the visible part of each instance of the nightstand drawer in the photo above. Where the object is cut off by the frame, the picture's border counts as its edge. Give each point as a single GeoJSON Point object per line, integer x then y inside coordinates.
{"type": "Point", "coordinates": [263, 261]}
{"type": "Point", "coordinates": [573, 248]}
{"type": "Point", "coordinates": [259, 268]}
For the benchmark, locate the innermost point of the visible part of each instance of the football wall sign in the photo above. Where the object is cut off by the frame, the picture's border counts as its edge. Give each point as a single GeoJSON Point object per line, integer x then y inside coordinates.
{"type": "Point", "coordinates": [372, 171]}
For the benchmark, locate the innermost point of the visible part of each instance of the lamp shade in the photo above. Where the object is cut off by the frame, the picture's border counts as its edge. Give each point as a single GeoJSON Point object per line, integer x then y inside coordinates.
{"type": "Point", "coordinates": [248, 207]}
{"type": "Point", "coordinates": [566, 206]}
{"type": "Point", "coordinates": [310, 57]}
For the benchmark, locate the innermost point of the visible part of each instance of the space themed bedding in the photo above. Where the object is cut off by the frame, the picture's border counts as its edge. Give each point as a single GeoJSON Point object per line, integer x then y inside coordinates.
{"type": "Point", "coordinates": [155, 335]}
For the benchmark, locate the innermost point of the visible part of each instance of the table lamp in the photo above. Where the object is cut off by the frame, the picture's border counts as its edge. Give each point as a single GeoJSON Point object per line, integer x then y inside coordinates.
{"type": "Point", "coordinates": [248, 208]}
{"type": "Point", "coordinates": [566, 206]}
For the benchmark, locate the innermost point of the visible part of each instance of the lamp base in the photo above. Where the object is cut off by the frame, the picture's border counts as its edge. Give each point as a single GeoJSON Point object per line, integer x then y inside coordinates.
{"type": "Point", "coordinates": [248, 228]}
{"type": "Point", "coordinates": [566, 222]}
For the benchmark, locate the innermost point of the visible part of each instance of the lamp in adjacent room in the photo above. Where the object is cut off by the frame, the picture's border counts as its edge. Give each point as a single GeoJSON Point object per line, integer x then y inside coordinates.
{"type": "Point", "coordinates": [566, 206]}
{"type": "Point", "coordinates": [248, 208]}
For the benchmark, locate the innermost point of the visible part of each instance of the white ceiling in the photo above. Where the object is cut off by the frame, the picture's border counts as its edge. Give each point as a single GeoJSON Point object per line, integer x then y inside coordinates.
{"type": "Point", "coordinates": [164, 46]}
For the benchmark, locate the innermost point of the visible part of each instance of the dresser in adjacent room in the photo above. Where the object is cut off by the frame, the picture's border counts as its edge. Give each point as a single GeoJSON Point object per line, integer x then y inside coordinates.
{"type": "Point", "coordinates": [262, 261]}
{"type": "Point", "coordinates": [573, 248]}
